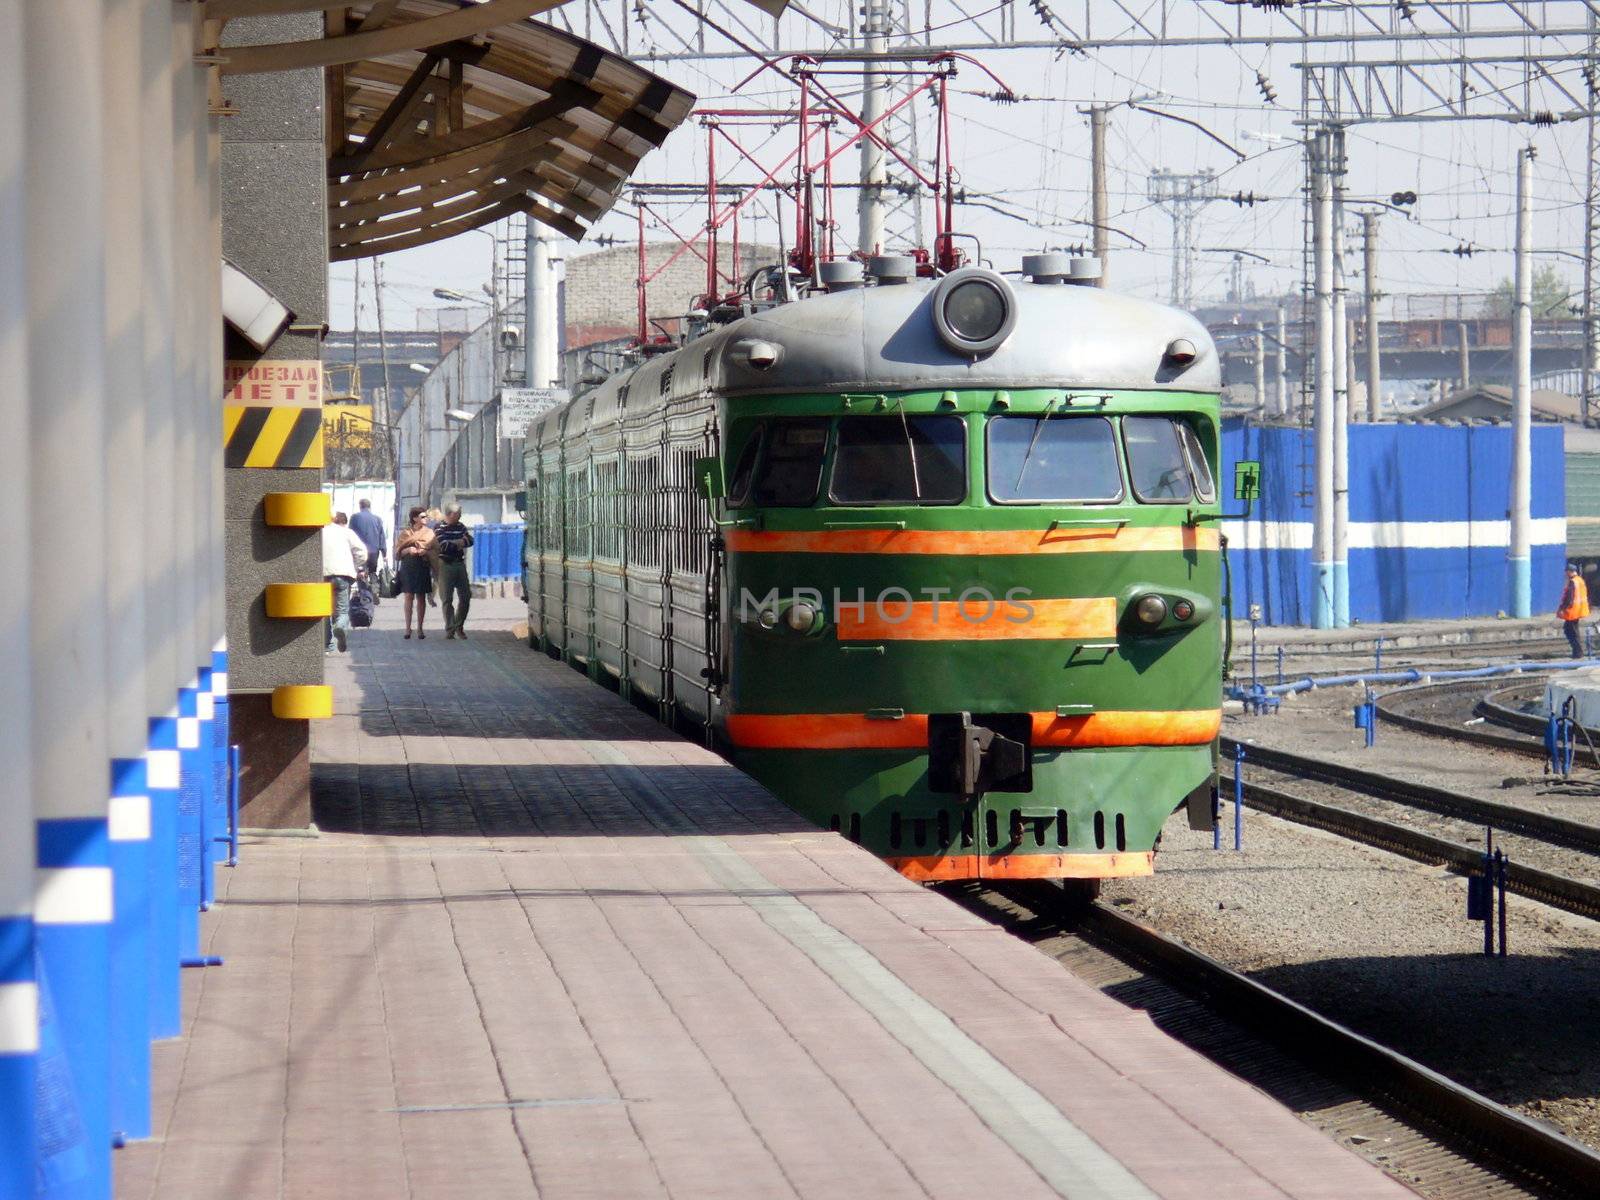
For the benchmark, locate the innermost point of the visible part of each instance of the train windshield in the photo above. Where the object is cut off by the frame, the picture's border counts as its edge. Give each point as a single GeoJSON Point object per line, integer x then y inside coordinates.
{"type": "Point", "coordinates": [1160, 461]}
{"type": "Point", "coordinates": [1034, 459]}
{"type": "Point", "coordinates": [900, 459]}
{"type": "Point", "coordinates": [786, 463]}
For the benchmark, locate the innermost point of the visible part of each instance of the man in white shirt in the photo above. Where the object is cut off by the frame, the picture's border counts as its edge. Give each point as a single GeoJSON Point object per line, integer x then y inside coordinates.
{"type": "Point", "coordinates": [343, 554]}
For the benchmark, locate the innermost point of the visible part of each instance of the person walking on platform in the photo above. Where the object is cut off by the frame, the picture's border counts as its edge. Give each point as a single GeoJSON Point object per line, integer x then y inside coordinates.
{"type": "Point", "coordinates": [343, 554]}
{"type": "Point", "coordinates": [1574, 608]}
{"type": "Point", "coordinates": [450, 541]}
{"type": "Point", "coordinates": [413, 556]}
{"type": "Point", "coordinates": [368, 526]}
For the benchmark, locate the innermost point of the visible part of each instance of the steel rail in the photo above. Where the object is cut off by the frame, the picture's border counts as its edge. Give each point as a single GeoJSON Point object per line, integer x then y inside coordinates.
{"type": "Point", "coordinates": [1558, 891]}
{"type": "Point", "coordinates": [1450, 1112]}
{"type": "Point", "coordinates": [1574, 835]}
{"type": "Point", "coordinates": [1389, 708]}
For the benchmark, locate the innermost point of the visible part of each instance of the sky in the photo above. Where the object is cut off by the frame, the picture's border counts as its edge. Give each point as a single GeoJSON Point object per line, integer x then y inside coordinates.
{"type": "Point", "coordinates": [1027, 163]}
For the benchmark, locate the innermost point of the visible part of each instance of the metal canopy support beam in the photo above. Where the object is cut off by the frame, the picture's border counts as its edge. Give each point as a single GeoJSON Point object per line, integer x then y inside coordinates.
{"type": "Point", "coordinates": [372, 43]}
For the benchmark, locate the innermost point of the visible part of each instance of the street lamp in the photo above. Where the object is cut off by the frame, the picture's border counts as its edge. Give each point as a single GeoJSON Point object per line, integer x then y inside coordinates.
{"type": "Point", "coordinates": [419, 368]}
{"type": "Point", "coordinates": [457, 414]}
{"type": "Point", "coordinates": [455, 297]}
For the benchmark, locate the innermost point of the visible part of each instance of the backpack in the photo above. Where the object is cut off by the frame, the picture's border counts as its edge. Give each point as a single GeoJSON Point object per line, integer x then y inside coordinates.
{"type": "Point", "coordinates": [361, 605]}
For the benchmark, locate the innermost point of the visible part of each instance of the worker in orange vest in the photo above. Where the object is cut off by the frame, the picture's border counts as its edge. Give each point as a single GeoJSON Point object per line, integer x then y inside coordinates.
{"type": "Point", "coordinates": [1574, 607]}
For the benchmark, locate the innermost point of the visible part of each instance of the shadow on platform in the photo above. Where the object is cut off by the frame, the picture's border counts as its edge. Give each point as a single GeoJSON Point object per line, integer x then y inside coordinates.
{"type": "Point", "coordinates": [569, 799]}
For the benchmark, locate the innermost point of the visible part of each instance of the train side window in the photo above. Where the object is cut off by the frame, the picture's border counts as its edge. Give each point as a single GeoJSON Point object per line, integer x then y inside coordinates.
{"type": "Point", "coordinates": [790, 473]}
{"type": "Point", "coordinates": [1034, 460]}
{"type": "Point", "coordinates": [744, 471]}
{"type": "Point", "coordinates": [900, 460]}
{"type": "Point", "coordinates": [1156, 460]}
{"type": "Point", "coordinates": [1205, 486]}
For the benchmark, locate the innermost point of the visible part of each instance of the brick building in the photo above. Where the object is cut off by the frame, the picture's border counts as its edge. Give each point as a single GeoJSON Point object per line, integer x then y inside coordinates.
{"type": "Point", "coordinates": [601, 301]}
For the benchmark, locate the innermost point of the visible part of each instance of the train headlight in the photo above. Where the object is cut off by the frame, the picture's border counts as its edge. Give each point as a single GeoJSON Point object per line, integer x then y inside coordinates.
{"type": "Point", "coordinates": [801, 617]}
{"type": "Point", "coordinates": [973, 310]}
{"type": "Point", "coordinates": [1183, 610]}
{"type": "Point", "coordinates": [768, 618]}
{"type": "Point", "coordinates": [1152, 610]}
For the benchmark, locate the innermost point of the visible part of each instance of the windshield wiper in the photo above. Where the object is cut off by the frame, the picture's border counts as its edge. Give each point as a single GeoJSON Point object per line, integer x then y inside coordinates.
{"type": "Point", "coordinates": [1038, 428]}
{"type": "Point", "coordinates": [911, 449]}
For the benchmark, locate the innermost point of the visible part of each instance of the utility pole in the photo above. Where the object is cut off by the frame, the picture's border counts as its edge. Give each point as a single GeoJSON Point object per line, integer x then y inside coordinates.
{"type": "Point", "coordinates": [1521, 548]}
{"type": "Point", "coordinates": [1320, 150]}
{"type": "Point", "coordinates": [540, 341]}
{"type": "Point", "coordinates": [1591, 330]}
{"type": "Point", "coordinates": [1466, 356]}
{"type": "Point", "coordinates": [1099, 214]}
{"type": "Point", "coordinates": [1342, 380]}
{"type": "Point", "coordinates": [869, 201]}
{"type": "Point", "coordinates": [383, 366]}
{"type": "Point", "coordinates": [1261, 369]}
{"type": "Point", "coordinates": [1283, 363]}
{"type": "Point", "coordinates": [1369, 238]}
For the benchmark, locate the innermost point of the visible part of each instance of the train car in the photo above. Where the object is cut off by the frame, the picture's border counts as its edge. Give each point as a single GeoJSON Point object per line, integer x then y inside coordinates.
{"type": "Point", "coordinates": [935, 560]}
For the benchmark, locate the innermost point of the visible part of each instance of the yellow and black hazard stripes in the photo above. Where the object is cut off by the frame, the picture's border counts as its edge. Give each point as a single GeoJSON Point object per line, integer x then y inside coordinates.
{"type": "Point", "coordinates": [271, 436]}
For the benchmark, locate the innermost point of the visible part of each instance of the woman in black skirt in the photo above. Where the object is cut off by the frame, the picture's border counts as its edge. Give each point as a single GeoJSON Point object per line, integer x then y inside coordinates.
{"type": "Point", "coordinates": [413, 552]}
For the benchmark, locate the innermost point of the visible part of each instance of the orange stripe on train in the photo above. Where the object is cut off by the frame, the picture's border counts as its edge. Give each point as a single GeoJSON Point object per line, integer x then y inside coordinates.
{"type": "Point", "coordinates": [967, 542]}
{"type": "Point", "coordinates": [849, 731]}
{"type": "Point", "coordinates": [979, 620]}
{"type": "Point", "coordinates": [932, 868]}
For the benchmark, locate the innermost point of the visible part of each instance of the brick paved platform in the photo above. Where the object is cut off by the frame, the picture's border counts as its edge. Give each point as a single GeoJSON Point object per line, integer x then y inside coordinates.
{"type": "Point", "coordinates": [541, 947]}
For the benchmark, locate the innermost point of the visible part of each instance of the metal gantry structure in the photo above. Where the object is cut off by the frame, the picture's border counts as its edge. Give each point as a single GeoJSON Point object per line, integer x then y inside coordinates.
{"type": "Point", "coordinates": [1182, 195]}
{"type": "Point", "coordinates": [1530, 64]}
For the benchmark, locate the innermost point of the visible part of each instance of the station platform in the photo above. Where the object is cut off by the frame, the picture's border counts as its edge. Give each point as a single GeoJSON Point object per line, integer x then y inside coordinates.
{"type": "Point", "coordinates": [541, 946]}
{"type": "Point", "coordinates": [1405, 635]}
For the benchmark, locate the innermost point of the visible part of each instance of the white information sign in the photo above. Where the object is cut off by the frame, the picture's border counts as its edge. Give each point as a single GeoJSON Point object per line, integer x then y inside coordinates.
{"type": "Point", "coordinates": [519, 406]}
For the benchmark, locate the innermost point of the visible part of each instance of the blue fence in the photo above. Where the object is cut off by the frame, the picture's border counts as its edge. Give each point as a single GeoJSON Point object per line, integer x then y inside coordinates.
{"type": "Point", "coordinates": [497, 552]}
{"type": "Point", "coordinates": [1429, 521]}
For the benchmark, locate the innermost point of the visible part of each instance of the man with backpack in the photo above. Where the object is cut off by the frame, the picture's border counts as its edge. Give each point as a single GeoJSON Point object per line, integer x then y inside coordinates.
{"type": "Point", "coordinates": [450, 542]}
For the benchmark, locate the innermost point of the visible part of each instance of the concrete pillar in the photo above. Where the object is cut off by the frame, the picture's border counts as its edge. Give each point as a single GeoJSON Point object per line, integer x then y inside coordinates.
{"type": "Point", "coordinates": [1100, 209]}
{"type": "Point", "coordinates": [188, 498]}
{"type": "Point", "coordinates": [1260, 354]}
{"type": "Point", "coordinates": [65, 266]}
{"type": "Point", "coordinates": [159, 501]}
{"type": "Point", "coordinates": [19, 991]}
{"type": "Point", "coordinates": [543, 345]}
{"type": "Point", "coordinates": [124, 466]}
{"type": "Point", "coordinates": [274, 226]}
{"type": "Point", "coordinates": [1464, 372]}
{"type": "Point", "coordinates": [216, 655]}
{"type": "Point", "coordinates": [1283, 363]}
{"type": "Point", "coordinates": [1369, 222]}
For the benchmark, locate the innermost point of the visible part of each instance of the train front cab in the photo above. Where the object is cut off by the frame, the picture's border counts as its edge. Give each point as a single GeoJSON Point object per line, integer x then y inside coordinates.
{"type": "Point", "coordinates": [977, 632]}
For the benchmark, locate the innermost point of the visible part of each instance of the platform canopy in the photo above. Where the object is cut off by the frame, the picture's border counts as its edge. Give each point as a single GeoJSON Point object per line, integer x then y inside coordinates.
{"type": "Point", "coordinates": [447, 115]}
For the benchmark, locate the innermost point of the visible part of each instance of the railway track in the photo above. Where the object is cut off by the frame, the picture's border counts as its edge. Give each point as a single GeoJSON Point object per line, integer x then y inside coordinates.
{"type": "Point", "coordinates": [1500, 732]}
{"type": "Point", "coordinates": [1565, 845]}
{"type": "Point", "coordinates": [1508, 818]}
{"type": "Point", "coordinates": [1442, 1139]}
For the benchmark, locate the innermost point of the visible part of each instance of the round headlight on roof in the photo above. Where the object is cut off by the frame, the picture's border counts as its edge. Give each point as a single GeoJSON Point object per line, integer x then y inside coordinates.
{"type": "Point", "coordinates": [973, 310]}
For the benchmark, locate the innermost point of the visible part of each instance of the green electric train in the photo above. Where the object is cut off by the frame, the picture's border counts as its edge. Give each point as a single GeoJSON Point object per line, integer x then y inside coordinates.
{"type": "Point", "coordinates": [935, 560]}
